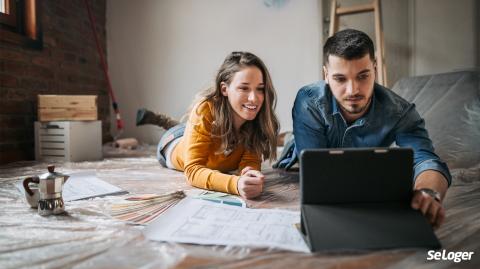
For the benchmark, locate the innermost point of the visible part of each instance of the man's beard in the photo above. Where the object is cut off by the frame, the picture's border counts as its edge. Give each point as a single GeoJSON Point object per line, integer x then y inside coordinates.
{"type": "Point", "coordinates": [355, 109]}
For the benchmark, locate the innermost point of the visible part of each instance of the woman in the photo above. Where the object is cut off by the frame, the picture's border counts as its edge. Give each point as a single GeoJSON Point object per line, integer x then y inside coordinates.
{"type": "Point", "coordinates": [232, 126]}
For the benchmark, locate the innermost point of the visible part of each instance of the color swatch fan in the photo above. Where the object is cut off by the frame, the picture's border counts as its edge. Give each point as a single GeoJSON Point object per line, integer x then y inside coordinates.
{"type": "Point", "coordinates": [144, 208]}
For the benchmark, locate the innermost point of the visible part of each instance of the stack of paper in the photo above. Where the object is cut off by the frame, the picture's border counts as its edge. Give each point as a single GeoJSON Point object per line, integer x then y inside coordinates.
{"type": "Point", "coordinates": [145, 208]}
{"type": "Point", "coordinates": [201, 222]}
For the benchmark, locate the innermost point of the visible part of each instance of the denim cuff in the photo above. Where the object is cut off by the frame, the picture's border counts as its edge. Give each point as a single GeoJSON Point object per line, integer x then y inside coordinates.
{"type": "Point", "coordinates": [433, 165]}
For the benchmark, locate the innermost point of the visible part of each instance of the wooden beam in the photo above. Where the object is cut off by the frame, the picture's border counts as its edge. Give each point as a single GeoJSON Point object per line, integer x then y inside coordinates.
{"type": "Point", "coordinates": [333, 18]}
{"type": "Point", "coordinates": [355, 9]}
{"type": "Point", "coordinates": [381, 72]}
{"type": "Point", "coordinates": [31, 19]}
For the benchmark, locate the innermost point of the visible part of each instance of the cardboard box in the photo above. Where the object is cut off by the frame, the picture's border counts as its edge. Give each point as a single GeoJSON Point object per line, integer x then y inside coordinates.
{"type": "Point", "coordinates": [71, 141]}
{"type": "Point", "coordinates": [67, 107]}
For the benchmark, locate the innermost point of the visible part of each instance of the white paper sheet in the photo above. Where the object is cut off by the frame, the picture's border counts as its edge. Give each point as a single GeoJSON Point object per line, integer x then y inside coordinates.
{"type": "Point", "coordinates": [202, 222]}
{"type": "Point", "coordinates": [83, 185]}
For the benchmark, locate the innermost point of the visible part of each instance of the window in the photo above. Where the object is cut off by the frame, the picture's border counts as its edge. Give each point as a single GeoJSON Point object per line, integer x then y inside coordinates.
{"type": "Point", "coordinates": [8, 14]}
{"type": "Point", "coordinates": [19, 22]}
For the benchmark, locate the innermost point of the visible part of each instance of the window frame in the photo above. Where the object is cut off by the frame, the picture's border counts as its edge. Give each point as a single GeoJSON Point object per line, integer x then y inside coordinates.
{"type": "Point", "coordinates": [22, 25]}
{"type": "Point", "coordinates": [10, 18]}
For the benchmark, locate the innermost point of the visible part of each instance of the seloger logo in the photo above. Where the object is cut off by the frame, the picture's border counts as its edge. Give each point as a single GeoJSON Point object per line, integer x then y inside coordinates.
{"type": "Point", "coordinates": [456, 256]}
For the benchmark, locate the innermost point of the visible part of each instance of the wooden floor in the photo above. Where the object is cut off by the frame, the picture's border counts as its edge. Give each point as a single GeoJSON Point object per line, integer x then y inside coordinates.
{"type": "Point", "coordinates": [87, 237]}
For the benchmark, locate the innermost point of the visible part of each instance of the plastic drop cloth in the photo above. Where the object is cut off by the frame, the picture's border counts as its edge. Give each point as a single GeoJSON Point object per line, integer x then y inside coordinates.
{"type": "Point", "coordinates": [89, 238]}
{"type": "Point", "coordinates": [450, 105]}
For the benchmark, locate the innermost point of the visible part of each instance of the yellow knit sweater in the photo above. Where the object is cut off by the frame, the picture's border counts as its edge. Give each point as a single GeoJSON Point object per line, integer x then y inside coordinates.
{"type": "Point", "coordinates": [195, 155]}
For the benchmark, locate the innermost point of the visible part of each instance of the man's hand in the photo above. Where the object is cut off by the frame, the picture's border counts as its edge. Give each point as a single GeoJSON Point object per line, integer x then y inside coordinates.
{"type": "Point", "coordinates": [250, 184]}
{"type": "Point", "coordinates": [430, 208]}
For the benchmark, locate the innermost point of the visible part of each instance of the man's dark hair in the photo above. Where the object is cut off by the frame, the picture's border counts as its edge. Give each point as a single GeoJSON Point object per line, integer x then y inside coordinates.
{"type": "Point", "coordinates": [348, 44]}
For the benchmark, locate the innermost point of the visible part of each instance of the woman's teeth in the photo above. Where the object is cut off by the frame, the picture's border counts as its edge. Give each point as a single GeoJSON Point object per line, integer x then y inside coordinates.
{"type": "Point", "coordinates": [250, 107]}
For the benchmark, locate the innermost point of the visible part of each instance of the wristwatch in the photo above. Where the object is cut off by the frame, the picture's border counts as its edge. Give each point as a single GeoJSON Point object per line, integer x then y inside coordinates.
{"type": "Point", "coordinates": [434, 194]}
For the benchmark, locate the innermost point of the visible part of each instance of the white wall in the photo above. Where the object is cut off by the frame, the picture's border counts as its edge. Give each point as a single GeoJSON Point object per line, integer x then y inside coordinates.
{"type": "Point", "coordinates": [477, 30]}
{"type": "Point", "coordinates": [161, 53]}
{"type": "Point", "coordinates": [444, 33]}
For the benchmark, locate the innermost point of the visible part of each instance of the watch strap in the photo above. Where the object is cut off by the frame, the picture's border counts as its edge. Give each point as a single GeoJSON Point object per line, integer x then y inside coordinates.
{"type": "Point", "coordinates": [434, 194]}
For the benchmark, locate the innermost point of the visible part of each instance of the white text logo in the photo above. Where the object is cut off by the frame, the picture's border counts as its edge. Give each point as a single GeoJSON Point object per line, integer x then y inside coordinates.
{"type": "Point", "coordinates": [455, 256]}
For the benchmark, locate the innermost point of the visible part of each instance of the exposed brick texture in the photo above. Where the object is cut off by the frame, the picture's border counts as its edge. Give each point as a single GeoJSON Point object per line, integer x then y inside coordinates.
{"type": "Point", "coordinates": [67, 64]}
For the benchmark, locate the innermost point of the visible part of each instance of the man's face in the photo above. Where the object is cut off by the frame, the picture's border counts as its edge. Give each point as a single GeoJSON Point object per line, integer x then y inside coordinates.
{"type": "Point", "coordinates": [351, 82]}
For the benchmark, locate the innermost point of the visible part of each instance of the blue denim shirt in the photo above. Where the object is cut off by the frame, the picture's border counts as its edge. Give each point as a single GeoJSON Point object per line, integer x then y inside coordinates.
{"type": "Point", "coordinates": [318, 123]}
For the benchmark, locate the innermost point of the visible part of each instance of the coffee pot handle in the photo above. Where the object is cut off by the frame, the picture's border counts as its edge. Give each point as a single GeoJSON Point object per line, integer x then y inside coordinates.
{"type": "Point", "coordinates": [28, 180]}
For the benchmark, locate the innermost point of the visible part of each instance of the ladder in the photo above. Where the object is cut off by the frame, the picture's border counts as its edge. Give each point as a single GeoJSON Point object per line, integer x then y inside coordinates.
{"type": "Point", "coordinates": [374, 6]}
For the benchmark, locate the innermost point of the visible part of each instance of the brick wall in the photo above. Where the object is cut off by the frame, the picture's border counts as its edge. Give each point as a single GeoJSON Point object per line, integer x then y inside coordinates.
{"type": "Point", "coordinates": [67, 64]}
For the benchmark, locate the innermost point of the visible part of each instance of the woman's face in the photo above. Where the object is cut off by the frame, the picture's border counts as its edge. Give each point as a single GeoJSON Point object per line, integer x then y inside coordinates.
{"type": "Point", "coordinates": [245, 94]}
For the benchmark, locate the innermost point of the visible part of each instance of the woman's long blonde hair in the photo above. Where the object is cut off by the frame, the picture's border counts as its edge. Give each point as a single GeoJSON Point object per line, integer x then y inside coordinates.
{"type": "Point", "coordinates": [258, 135]}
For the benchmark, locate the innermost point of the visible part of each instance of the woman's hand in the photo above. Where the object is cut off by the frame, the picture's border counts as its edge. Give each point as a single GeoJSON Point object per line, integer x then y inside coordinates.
{"type": "Point", "coordinates": [250, 184]}
{"type": "Point", "coordinates": [246, 169]}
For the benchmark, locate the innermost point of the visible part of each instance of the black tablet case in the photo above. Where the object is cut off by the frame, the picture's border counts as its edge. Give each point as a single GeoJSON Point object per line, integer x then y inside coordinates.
{"type": "Point", "coordinates": [359, 199]}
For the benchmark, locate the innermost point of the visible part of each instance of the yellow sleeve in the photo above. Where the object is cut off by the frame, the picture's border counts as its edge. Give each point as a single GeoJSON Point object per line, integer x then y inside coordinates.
{"type": "Point", "coordinates": [250, 159]}
{"type": "Point", "coordinates": [199, 145]}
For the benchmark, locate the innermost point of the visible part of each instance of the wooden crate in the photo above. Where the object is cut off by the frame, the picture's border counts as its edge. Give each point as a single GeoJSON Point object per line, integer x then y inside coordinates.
{"type": "Point", "coordinates": [67, 107]}
{"type": "Point", "coordinates": [71, 141]}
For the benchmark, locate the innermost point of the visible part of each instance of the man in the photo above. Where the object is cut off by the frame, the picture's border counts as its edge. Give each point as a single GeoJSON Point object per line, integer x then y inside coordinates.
{"type": "Point", "coordinates": [349, 109]}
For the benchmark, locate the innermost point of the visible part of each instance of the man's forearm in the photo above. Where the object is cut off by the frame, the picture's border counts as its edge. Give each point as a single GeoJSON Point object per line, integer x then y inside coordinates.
{"type": "Point", "coordinates": [432, 179]}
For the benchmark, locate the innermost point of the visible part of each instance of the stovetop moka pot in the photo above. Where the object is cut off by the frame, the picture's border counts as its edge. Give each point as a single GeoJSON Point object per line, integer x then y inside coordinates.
{"type": "Point", "coordinates": [50, 187]}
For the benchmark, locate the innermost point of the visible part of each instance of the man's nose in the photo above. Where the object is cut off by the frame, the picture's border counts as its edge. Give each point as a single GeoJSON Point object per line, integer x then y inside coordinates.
{"type": "Point", "coordinates": [352, 87]}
